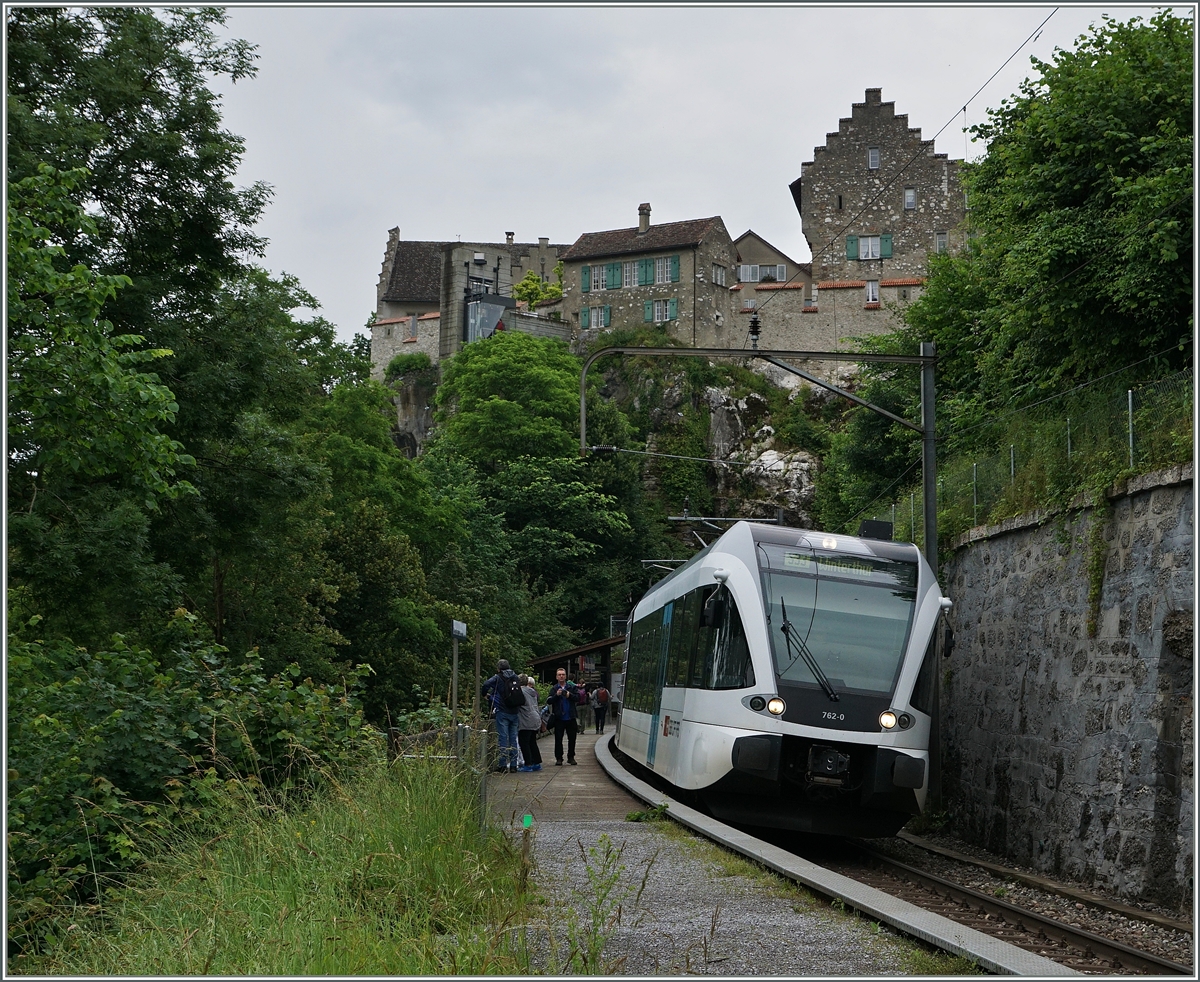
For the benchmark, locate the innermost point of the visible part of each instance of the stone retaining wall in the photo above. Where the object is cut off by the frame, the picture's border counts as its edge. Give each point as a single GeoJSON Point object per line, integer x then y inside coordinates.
{"type": "Point", "coordinates": [1072, 753]}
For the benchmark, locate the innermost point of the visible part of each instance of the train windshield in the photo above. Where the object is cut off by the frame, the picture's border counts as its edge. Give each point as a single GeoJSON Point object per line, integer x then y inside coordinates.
{"type": "Point", "coordinates": [837, 622]}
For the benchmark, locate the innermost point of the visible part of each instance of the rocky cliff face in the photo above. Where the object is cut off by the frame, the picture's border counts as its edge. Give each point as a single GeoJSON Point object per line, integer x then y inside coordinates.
{"type": "Point", "coordinates": [414, 413]}
{"type": "Point", "coordinates": [759, 480]}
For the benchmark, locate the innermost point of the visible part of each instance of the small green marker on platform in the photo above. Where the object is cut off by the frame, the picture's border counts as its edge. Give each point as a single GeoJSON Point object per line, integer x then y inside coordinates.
{"type": "Point", "coordinates": [527, 821]}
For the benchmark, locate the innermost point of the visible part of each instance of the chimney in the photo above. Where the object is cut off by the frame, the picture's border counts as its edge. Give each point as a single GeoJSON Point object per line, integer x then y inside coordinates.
{"type": "Point", "coordinates": [508, 237]}
{"type": "Point", "coordinates": [643, 217]}
{"type": "Point", "coordinates": [874, 96]}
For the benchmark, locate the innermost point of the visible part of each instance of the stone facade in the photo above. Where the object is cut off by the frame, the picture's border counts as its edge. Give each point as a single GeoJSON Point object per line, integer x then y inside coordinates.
{"type": "Point", "coordinates": [1074, 754]}
{"type": "Point", "coordinates": [420, 278]}
{"type": "Point", "coordinates": [874, 203]}
{"type": "Point", "coordinates": [404, 335]}
{"type": "Point", "coordinates": [669, 274]}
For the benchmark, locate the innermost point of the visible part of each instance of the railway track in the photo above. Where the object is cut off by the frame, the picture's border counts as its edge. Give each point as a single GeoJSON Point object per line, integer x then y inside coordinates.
{"type": "Point", "coordinates": [1065, 943]}
{"type": "Point", "coordinates": [1069, 944]}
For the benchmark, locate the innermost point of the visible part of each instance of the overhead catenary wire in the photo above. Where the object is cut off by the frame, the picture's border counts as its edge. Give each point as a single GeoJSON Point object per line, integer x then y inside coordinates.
{"type": "Point", "coordinates": [675, 456]}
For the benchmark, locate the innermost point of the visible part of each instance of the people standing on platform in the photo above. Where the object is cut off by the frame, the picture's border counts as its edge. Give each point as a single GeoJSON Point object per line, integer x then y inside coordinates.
{"type": "Point", "coordinates": [563, 715]}
{"type": "Point", "coordinates": [507, 698]}
{"type": "Point", "coordinates": [585, 707]}
{"type": "Point", "coordinates": [529, 727]}
{"type": "Point", "coordinates": [600, 706]}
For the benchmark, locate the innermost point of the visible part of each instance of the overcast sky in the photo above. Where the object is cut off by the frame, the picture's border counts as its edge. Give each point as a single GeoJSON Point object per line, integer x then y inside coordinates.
{"type": "Point", "coordinates": [470, 122]}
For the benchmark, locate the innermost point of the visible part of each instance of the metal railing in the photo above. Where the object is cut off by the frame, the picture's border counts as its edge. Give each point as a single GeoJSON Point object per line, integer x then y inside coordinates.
{"type": "Point", "coordinates": [1046, 455]}
{"type": "Point", "coordinates": [468, 747]}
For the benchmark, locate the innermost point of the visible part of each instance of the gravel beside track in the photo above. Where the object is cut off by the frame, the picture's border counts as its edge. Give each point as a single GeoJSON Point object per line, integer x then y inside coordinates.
{"type": "Point", "coordinates": [1177, 946]}
{"type": "Point", "coordinates": [697, 914]}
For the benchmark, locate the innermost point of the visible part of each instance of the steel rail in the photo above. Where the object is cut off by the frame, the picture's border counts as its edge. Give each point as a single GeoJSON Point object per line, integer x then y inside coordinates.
{"type": "Point", "coordinates": [1027, 920]}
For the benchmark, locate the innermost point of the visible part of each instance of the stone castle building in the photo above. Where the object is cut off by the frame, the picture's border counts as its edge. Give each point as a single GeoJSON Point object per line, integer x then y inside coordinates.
{"type": "Point", "coordinates": [875, 202]}
{"type": "Point", "coordinates": [677, 274]}
{"type": "Point", "coordinates": [433, 297]}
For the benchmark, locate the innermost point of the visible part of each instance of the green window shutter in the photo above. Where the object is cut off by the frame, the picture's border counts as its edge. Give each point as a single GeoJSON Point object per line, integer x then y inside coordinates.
{"type": "Point", "coordinates": [885, 246]}
{"type": "Point", "coordinates": [585, 278]}
{"type": "Point", "coordinates": [672, 307]}
{"type": "Point", "coordinates": [614, 276]}
{"type": "Point", "coordinates": [649, 310]}
{"type": "Point", "coordinates": [607, 316]}
{"type": "Point", "coordinates": [851, 247]}
{"type": "Point", "coordinates": [674, 269]}
{"type": "Point", "coordinates": [645, 272]}
{"type": "Point", "coordinates": [585, 317]}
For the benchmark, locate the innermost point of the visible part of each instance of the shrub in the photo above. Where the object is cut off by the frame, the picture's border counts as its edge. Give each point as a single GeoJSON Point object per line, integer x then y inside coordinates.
{"type": "Point", "coordinates": [108, 749]}
{"type": "Point", "coordinates": [416, 362]}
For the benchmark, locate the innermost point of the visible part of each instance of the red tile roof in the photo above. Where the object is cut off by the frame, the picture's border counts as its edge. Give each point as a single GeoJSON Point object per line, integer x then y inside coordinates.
{"type": "Point", "coordinates": [841, 284]}
{"type": "Point", "coordinates": [780, 286]}
{"type": "Point", "coordinates": [904, 281]}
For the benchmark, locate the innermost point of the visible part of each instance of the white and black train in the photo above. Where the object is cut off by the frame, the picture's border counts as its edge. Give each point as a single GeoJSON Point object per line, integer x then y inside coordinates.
{"type": "Point", "coordinates": [785, 677]}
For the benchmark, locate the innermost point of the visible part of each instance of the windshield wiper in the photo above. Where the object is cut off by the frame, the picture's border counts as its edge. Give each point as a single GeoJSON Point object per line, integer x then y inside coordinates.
{"type": "Point", "coordinates": [790, 636]}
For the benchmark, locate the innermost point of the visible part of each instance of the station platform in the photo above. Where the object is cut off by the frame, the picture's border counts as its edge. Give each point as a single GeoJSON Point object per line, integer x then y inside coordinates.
{"type": "Point", "coordinates": [561, 794]}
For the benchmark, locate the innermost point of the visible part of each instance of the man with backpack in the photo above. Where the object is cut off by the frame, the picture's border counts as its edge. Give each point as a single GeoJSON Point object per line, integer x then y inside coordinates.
{"type": "Point", "coordinates": [507, 697]}
{"type": "Point", "coordinates": [600, 706]}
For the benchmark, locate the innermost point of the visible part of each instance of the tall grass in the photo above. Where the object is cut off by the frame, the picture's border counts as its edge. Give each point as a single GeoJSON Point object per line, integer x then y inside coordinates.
{"type": "Point", "coordinates": [389, 874]}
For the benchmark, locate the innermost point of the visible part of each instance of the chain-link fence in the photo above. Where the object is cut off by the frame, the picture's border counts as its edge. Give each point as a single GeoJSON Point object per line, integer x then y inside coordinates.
{"type": "Point", "coordinates": [1045, 455]}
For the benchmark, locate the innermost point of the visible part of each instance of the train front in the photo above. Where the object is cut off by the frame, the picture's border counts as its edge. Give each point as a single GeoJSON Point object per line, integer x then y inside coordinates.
{"type": "Point", "coordinates": [851, 625]}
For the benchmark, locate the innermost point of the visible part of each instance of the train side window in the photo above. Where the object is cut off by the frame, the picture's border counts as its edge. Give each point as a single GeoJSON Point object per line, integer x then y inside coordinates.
{"type": "Point", "coordinates": [728, 652]}
{"type": "Point", "coordinates": [683, 637]}
{"type": "Point", "coordinates": [700, 662]}
{"type": "Point", "coordinates": [922, 696]}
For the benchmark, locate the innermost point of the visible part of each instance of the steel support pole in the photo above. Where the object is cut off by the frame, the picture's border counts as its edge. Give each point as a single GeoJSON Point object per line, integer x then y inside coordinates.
{"type": "Point", "coordinates": [929, 488]}
{"type": "Point", "coordinates": [478, 681]}
{"type": "Point", "coordinates": [454, 687]}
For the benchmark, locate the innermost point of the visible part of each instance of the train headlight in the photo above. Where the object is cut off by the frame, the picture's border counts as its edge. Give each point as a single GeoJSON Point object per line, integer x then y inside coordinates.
{"type": "Point", "coordinates": [758, 703]}
{"type": "Point", "coordinates": [905, 721]}
{"type": "Point", "coordinates": [887, 719]}
{"type": "Point", "coordinates": [775, 706]}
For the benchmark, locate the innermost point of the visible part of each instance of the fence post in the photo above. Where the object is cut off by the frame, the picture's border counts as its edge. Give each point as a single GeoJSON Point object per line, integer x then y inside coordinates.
{"type": "Point", "coordinates": [483, 777]}
{"type": "Point", "coordinates": [912, 516]}
{"type": "Point", "coordinates": [975, 494]}
{"type": "Point", "coordinates": [1068, 438]}
{"type": "Point", "coordinates": [1130, 394]}
{"type": "Point", "coordinates": [1012, 465]}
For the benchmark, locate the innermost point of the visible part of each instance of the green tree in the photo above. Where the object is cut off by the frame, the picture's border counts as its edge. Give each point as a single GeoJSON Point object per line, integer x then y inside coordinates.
{"type": "Point", "coordinates": [509, 395]}
{"type": "Point", "coordinates": [1083, 207]}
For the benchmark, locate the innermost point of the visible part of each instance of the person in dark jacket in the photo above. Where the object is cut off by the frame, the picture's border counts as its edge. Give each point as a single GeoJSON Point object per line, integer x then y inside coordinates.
{"type": "Point", "coordinates": [507, 720]}
{"type": "Point", "coordinates": [562, 703]}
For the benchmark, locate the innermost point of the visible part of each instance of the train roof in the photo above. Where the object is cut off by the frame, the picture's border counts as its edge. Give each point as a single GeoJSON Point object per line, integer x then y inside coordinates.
{"type": "Point", "coordinates": [740, 540]}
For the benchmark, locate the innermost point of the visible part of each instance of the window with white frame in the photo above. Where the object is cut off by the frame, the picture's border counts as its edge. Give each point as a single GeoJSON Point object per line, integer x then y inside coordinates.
{"type": "Point", "coordinates": [774, 273]}
{"type": "Point", "coordinates": [629, 274]}
{"type": "Point", "coordinates": [814, 295]}
{"type": "Point", "coordinates": [600, 277]}
{"type": "Point", "coordinates": [749, 303]}
{"type": "Point", "coordinates": [941, 242]}
{"type": "Point", "coordinates": [662, 311]}
{"type": "Point", "coordinates": [910, 198]}
{"type": "Point", "coordinates": [662, 270]}
{"type": "Point", "coordinates": [873, 158]}
{"type": "Point", "coordinates": [598, 317]}
{"type": "Point", "coordinates": [718, 275]}
{"type": "Point", "coordinates": [868, 247]}
{"type": "Point", "coordinates": [747, 273]}
{"type": "Point", "coordinates": [872, 291]}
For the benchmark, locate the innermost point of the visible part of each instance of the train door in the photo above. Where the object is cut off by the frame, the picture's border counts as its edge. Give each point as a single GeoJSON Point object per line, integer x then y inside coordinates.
{"type": "Point", "coordinates": [660, 667]}
{"type": "Point", "coordinates": [673, 704]}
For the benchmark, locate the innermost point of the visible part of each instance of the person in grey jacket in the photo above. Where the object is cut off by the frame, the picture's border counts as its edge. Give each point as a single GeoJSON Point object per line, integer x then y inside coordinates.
{"type": "Point", "coordinates": [529, 726]}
